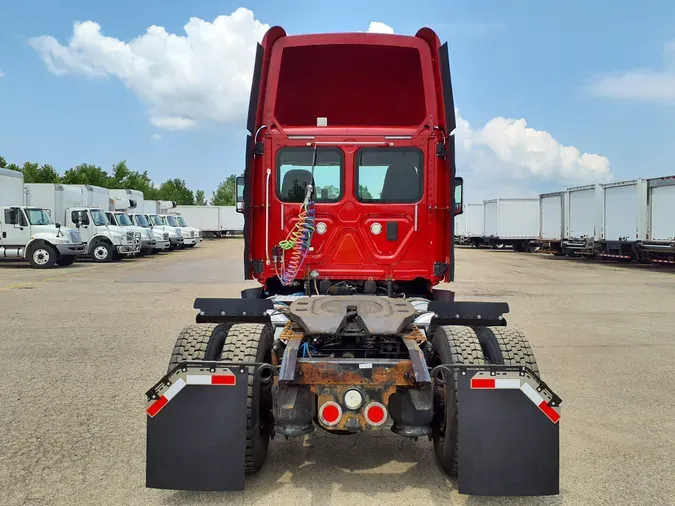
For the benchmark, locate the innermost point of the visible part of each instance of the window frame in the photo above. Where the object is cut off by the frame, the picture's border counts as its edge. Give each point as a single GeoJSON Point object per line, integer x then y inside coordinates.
{"type": "Point", "coordinates": [279, 179]}
{"type": "Point", "coordinates": [388, 201]}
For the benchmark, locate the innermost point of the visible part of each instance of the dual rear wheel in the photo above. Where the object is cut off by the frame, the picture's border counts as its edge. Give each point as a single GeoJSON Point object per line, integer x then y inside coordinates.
{"type": "Point", "coordinates": [241, 342]}
{"type": "Point", "coordinates": [468, 346]}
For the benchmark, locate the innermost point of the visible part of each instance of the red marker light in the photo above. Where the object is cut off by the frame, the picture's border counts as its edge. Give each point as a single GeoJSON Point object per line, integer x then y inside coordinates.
{"type": "Point", "coordinates": [376, 414]}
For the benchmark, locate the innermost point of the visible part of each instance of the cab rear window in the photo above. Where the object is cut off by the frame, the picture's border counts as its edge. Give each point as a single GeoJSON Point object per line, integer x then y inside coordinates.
{"type": "Point", "coordinates": [294, 172]}
{"type": "Point", "coordinates": [389, 175]}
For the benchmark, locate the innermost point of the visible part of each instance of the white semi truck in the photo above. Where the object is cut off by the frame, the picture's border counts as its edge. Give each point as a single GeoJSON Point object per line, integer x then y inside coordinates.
{"type": "Point", "coordinates": [126, 210]}
{"type": "Point", "coordinates": [28, 233]}
{"type": "Point", "coordinates": [75, 206]}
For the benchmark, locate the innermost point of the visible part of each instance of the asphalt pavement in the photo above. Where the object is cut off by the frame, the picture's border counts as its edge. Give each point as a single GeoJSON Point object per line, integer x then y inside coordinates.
{"type": "Point", "coordinates": [79, 346]}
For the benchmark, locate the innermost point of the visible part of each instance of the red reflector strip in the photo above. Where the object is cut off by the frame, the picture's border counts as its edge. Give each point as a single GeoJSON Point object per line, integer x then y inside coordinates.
{"type": "Point", "coordinates": [482, 383]}
{"type": "Point", "coordinates": [551, 413]}
{"type": "Point", "coordinates": [156, 406]}
{"type": "Point", "coordinates": [224, 379]}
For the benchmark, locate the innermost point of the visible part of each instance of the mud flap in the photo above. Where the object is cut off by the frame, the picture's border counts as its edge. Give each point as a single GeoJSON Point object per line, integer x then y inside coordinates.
{"type": "Point", "coordinates": [196, 429]}
{"type": "Point", "coordinates": [508, 433]}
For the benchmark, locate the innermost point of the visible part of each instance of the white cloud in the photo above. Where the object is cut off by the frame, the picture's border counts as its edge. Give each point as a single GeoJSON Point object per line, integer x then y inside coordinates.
{"type": "Point", "coordinates": [507, 158]}
{"type": "Point", "coordinates": [640, 84]}
{"type": "Point", "coordinates": [379, 27]}
{"type": "Point", "coordinates": [205, 75]}
{"type": "Point", "coordinates": [184, 79]}
{"type": "Point", "coordinates": [156, 137]}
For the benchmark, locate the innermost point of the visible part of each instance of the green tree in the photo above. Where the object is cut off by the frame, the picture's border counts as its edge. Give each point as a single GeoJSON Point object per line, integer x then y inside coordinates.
{"type": "Point", "coordinates": [225, 193]}
{"type": "Point", "coordinates": [3, 162]}
{"type": "Point", "coordinates": [87, 174]}
{"type": "Point", "coordinates": [200, 198]}
{"type": "Point", "coordinates": [125, 178]}
{"type": "Point", "coordinates": [364, 192]}
{"type": "Point", "coordinates": [177, 191]}
{"type": "Point", "coordinates": [13, 166]}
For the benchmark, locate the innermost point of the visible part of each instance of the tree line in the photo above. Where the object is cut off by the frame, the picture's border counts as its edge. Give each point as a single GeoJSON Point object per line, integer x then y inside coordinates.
{"type": "Point", "coordinates": [122, 177]}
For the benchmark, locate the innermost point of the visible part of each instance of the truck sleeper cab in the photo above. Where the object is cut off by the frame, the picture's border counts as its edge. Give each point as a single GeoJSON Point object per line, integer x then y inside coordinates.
{"type": "Point", "coordinates": [29, 233]}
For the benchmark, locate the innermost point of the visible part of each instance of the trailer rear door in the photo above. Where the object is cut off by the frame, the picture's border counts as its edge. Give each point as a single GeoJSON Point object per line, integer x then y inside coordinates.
{"type": "Point", "coordinates": [662, 209]}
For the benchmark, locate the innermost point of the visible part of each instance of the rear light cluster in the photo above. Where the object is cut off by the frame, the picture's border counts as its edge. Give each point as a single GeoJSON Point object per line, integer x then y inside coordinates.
{"type": "Point", "coordinates": [330, 413]}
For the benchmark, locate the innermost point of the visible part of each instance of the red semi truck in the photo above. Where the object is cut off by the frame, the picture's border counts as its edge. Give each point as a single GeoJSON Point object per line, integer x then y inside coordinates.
{"type": "Point", "coordinates": [349, 196]}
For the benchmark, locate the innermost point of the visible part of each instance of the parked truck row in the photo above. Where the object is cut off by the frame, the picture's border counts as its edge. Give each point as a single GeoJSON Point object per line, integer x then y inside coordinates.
{"type": "Point", "coordinates": [54, 224]}
{"type": "Point", "coordinates": [628, 221]}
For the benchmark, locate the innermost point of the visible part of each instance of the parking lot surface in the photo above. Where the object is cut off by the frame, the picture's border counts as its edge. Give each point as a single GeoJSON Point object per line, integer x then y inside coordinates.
{"type": "Point", "coordinates": [79, 346]}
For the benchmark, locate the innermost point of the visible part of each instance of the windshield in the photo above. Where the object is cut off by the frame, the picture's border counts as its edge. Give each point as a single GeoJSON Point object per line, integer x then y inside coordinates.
{"type": "Point", "coordinates": [38, 217]}
{"type": "Point", "coordinates": [172, 221]}
{"type": "Point", "coordinates": [181, 221]}
{"type": "Point", "coordinates": [294, 171]}
{"type": "Point", "coordinates": [98, 217]}
{"type": "Point", "coordinates": [389, 175]}
{"type": "Point", "coordinates": [123, 219]}
{"type": "Point", "coordinates": [141, 220]}
{"type": "Point", "coordinates": [156, 220]}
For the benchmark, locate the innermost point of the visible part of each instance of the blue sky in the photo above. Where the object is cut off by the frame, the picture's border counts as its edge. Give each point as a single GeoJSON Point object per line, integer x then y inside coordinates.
{"type": "Point", "coordinates": [594, 75]}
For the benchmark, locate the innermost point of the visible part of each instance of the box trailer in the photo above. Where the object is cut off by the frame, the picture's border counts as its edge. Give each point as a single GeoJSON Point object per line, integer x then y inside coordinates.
{"type": "Point", "coordinates": [205, 218]}
{"type": "Point", "coordinates": [29, 233]}
{"type": "Point", "coordinates": [512, 221]}
{"type": "Point", "coordinates": [619, 220]}
{"type": "Point", "coordinates": [658, 221]}
{"type": "Point", "coordinates": [552, 221]}
{"type": "Point", "coordinates": [459, 230]}
{"type": "Point", "coordinates": [231, 222]}
{"type": "Point", "coordinates": [583, 208]}
{"type": "Point", "coordinates": [475, 223]}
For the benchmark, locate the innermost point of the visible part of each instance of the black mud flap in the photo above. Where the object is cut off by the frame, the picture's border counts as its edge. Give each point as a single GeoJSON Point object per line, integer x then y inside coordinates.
{"type": "Point", "coordinates": [508, 433]}
{"type": "Point", "coordinates": [196, 428]}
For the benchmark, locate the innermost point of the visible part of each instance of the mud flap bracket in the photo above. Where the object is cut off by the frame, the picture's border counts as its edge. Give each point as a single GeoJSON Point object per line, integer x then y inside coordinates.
{"type": "Point", "coordinates": [508, 425]}
{"type": "Point", "coordinates": [196, 427]}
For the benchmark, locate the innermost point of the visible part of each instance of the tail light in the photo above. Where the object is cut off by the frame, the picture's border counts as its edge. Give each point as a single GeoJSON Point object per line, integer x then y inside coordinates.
{"type": "Point", "coordinates": [376, 414]}
{"type": "Point", "coordinates": [330, 413]}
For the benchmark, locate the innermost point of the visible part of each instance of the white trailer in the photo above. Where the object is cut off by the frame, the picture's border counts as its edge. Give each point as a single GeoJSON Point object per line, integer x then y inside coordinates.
{"type": "Point", "coordinates": [216, 221]}
{"type": "Point", "coordinates": [475, 223]}
{"type": "Point", "coordinates": [459, 228]}
{"type": "Point", "coordinates": [28, 232]}
{"type": "Point", "coordinates": [69, 204]}
{"type": "Point", "coordinates": [583, 220]}
{"type": "Point", "coordinates": [620, 217]}
{"type": "Point", "coordinates": [658, 221]}
{"type": "Point", "coordinates": [512, 221]}
{"type": "Point", "coordinates": [552, 221]}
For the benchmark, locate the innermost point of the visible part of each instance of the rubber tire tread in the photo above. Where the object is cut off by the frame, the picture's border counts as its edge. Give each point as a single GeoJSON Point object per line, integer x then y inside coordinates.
{"type": "Point", "coordinates": [52, 256]}
{"type": "Point", "coordinates": [192, 343]}
{"type": "Point", "coordinates": [513, 346]}
{"type": "Point", "coordinates": [247, 342]}
{"type": "Point", "coordinates": [463, 347]}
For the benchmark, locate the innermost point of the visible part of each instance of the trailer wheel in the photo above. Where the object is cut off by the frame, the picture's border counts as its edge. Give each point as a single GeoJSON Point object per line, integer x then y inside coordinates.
{"type": "Point", "coordinates": [250, 343]}
{"type": "Point", "coordinates": [42, 256]}
{"type": "Point", "coordinates": [202, 341]}
{"type": "Point", "coordinates": [451, 345]}
{"type": "Point", "coordinates": [502, 345]}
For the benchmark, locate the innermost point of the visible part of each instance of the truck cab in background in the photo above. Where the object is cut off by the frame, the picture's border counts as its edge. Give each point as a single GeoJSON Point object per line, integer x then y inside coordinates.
{"type": "Point", "coordinates": [122, 219]}
{"type": "Point", "coordinates": [70, 205]}
{"type": "Point", "coordinates": [197, 232]}
{"type": "Point", "coordinates": [175, 235]}
{"type": "Point", "coordinates": [189, 235]}
{"type": "Point", "coordinates": [161, 237]}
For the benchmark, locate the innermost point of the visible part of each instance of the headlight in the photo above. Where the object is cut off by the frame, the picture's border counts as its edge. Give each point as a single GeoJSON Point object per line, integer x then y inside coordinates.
{"type": "Point", "coordinates": [149, 234]}
{"type": "Point", "coordinates": [117, 239]}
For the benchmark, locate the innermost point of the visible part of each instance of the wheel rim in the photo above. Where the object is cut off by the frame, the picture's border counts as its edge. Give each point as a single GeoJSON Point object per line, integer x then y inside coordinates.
{"type": "Point", "coordinates": [101, 252]}
{"type": "Point", "coordinates": [41, 256]}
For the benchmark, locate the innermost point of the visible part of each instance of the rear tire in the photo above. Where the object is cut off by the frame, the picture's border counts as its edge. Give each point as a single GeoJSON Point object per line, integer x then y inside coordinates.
{"type": "Point", "coordinates": [502, 345]}
{"type": "Point", "coordinates": [451, 345]}
{"type": "Point", "coordinates": [203, 341]}
{"type": "Point", "coordinates": [250, 343]}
